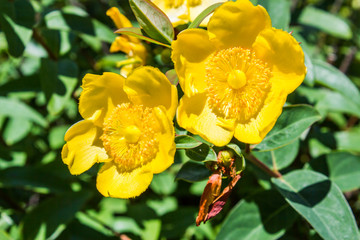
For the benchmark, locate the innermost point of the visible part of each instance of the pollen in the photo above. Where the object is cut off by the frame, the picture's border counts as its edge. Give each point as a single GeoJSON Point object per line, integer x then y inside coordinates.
{"type": "Point", "coordinates": [237, 83]}
{"type": "Point", "coordinates": [130, 136]}
{"type": "Point", "coordinates": [173, 3]}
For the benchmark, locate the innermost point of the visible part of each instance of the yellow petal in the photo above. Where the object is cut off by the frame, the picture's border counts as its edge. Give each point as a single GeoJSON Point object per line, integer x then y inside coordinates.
{"type": "Point", "coordinates": [190, 51]}
{"type": "Point", "coordinates": [177, 13]}
{"type": "Point", "coordinates": [284, 55]}
{"type": "Point", "coordinates": [83, 147]}
{"type": "Point", "coordinates": [120, 20]}
{"type": "Point", "coordinates": [112, 183]}
{"type": "Point", "coordinates": [121, 44]}
{"type": "Point", "coordinates": [195, 116]}
{"type": "Point", "coordinates": [238, 23]}
{"type": "Point", "coordinates": [149, 87]}
{"type": "Point", "coordinates": [165, 156]}
{"type": "Point", "coordinates": [255, 129]}
{"type": "Point", "coordinates": [101, 92]}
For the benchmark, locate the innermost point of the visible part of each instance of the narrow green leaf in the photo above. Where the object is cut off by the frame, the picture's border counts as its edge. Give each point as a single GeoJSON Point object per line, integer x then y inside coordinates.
{"type": "Point", "coordinates": [279, 158]}
{"type": "Point", "coordinates": [291, 124]}
{"type": "Point", "coordinates": [279, 11]}
{"type": "Point", "coordinates": [310, 74]}
{"type": "Point", "coordinates": [320, 202]}
{"type": "Point", "coordinates": [197, 21]}
{"type": "Point", "coordinates": [326, 22]}
{"type": "Point", "coordinates": [333, 78]}
{"type": "Point", "coordinates": [136, 32]}
{"type": "Point", "coordinates": [154, 22]}
{"type": "Point", "coordinates": [193, 171]}
{"type": "Point", "coordinates": [16, 109]}
{"type": "Point", "coordinates": [186, 142]}
{"type": "Point", "coordinates": [53, 213]}
{"type": "Point", "coordinates": [263, 216]}
{"type": "Point", "coordinates": [343, 168]}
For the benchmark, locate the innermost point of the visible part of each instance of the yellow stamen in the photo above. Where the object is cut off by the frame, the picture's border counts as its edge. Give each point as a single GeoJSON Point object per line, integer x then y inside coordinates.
{"type": "Point", "coordinates": [131, 136]}
{"type": "Point", "coordinates": [236, 79]}
{"type": "Point", "coordinates": [237, 83]}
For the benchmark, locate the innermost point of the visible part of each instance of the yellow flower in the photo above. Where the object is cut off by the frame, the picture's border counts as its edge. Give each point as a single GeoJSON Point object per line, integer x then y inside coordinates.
{"type": "Point", "coordinates": [129, 45]}
{"type": "Point", "coordinates": [128, 126]}
{"type": "Point", "coordinates": [236, 75]}
{"type": "Point", "coordinates": [184, 11]}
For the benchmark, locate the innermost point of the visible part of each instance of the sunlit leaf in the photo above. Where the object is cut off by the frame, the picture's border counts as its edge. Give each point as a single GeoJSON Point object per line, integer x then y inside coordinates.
{"type": "Point", "coordinates": [136, 32]}
{"type": "Point", "coordinates": [257, 217]}
{"type": "Point", "coordinates": [343, 168]}
{"type": "Point", "coordinates": [291, 124]}
{"type": "Point", "coordinates": [279, 11]}
{"type": "Point", "coordinates": [320, 202]}
{"type": "Point", "coordinates": [279, 158]}
{"type": "Point", "coordinates": [154, 22]}
{"type": "Point", "coordinates": [202, 153]}
{"type": "Point", "coordinates": [326, 22]}
{"type": "Point", "coordinates": [16, 109]}
{"type": "Point", "coordinates": [186, 142]}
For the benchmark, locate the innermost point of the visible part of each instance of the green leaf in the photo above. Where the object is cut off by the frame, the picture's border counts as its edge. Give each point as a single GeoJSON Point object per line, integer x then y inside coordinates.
{"type": "Point", "coordinates": [263, 216]}
{"type": "Point", "coordinates": [326, 22]}
{"type": "Point", "coordinates": [16, 129]}
{"type": "Point", "coordinates": [186, 142]}
{"type": "Point", "coordinates": [16, 109]}
{"type": "Point", "coordinates": [193, 171]}
{"type": "Point", "coordinates": [291, 124]}
{"type": "Point", "coordinates": [331, 77]}
{"type": "Point", "coordinates": [136, 32]}
{"type": "Point", "coordinates": [348, 140]}
{"type": "Point", "coordinates": [310, 74]}
{"type": "Point", "coordinates": [56, 136]}
{"type": "Point", "coordinates": [337, 102]}
{"type": "Point", "coordinates": [343, 168]}
{"type": "Point", "coordinates": [32, 178]}
{"type": "Point", "coordinates": [279, 158]}
{"type": "Point", "coordinates": [79, 24]}
{"type": "Point", "coordinates": [58, 81]}
{"type": "Point", "coordinates": [279, 11]}
{"type": "Point", "coordinates": [197, 21]}
{"type": "Point", "coordinates": [201, 153]}
{"type": "Point", "coordinates": [163, 183]}
{"type": "Point", "coordinates": [154, 22]}
{"type": "Point", "coordinates": [16, 20]}
{"type": "Point", "coordinates": [53, 213]}
{"type": "Point", "coordinates": [320, 202]}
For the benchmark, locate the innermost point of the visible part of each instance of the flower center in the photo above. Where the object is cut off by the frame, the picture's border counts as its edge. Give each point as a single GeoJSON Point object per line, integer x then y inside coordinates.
{"type": "Point", "coordinates": [236, 79]}
{"type": "Point", "coordinates": [237, 83]}
{"type": "Point", "coordinates": [131, 136]}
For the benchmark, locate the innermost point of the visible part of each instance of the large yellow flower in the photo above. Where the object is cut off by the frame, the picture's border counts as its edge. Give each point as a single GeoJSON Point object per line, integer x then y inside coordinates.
{"type": "Point", "coordinates": [184, 11]}
{"type": "Point", "coordinates": [236, 75]}
{"type": "Point", "coordinates": [129, 45]}
{"type": "Point", "coordinates": [128, 126]}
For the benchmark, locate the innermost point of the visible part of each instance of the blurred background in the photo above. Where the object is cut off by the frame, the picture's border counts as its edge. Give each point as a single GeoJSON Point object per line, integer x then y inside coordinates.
{"type": "Point", "coordinates": [47, 46]}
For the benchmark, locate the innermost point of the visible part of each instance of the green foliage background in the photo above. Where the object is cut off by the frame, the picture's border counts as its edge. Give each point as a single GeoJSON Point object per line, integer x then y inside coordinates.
{"type": "Point", "coordinates": [47, 46]}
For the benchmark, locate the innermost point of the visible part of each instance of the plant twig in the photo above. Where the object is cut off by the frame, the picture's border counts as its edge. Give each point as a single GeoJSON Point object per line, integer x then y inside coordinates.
{"type": "Point", "coordinates": [42, 42]}
{"type": "Point", "coordinates": [261, 165]}
{"type": "Point", "coordinates": [345, 64]}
